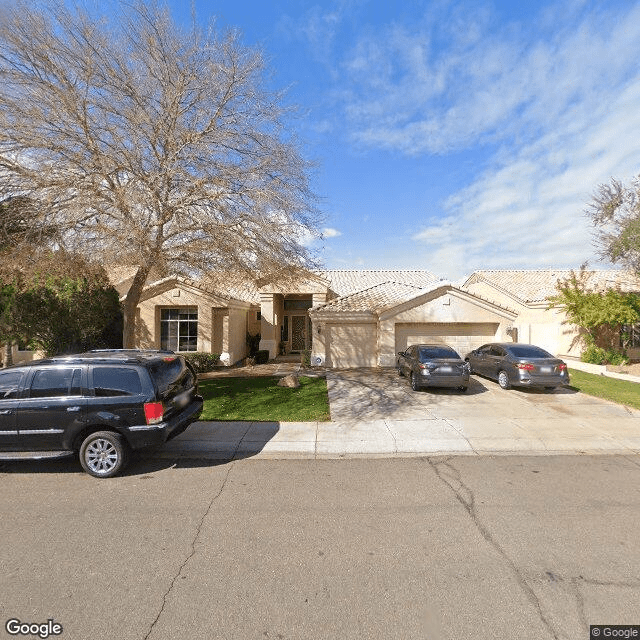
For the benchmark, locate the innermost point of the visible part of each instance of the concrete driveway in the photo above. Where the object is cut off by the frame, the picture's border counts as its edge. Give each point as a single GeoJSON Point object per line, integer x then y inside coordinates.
{"type": "Point", "coordinates": [484, 419]}
{"type": "Point", "coordinates": [375, 413]}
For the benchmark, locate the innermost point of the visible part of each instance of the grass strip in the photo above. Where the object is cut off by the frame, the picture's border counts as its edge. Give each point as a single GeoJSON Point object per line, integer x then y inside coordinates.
{"type": "Point", "coordinates": [261, 400]}
{"type": "Point", "coordinates": [620, 391]}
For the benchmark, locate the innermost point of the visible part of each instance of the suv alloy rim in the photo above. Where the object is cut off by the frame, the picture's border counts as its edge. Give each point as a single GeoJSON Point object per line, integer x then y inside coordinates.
{"type": "Point", "coordinates": [101, 456]}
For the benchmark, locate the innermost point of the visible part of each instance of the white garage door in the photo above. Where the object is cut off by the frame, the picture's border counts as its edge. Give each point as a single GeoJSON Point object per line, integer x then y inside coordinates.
{"type": "Point", "coordinates": [352, 345]}
{"type": "Point", "coordinates": [462, 336]}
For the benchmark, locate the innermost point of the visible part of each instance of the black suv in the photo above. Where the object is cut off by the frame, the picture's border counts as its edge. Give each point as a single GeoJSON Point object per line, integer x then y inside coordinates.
{"type": "Point", "coordinates": [101, 404]}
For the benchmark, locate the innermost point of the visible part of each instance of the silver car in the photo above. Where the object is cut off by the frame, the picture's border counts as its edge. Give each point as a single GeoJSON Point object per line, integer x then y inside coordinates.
{"type": "Point", "coordinates": [515, 364]}
{"type": "Point", "coordinates": [433, 365]}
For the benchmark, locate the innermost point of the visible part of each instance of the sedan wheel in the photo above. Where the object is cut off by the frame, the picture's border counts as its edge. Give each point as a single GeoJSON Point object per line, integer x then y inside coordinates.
{"type": "Point", "coordinates": [103, 454]}
{"type": "Point", "coordinates": [414, 382]}
{"type": "Point", "coordinates": [503, 380]}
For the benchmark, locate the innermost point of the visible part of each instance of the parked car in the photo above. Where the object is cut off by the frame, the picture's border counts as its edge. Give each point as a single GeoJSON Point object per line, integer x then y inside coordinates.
{"type": "Point", "coordinates": [100, 405]}
{"type": "Point", "coordinates": [433, 365]}
{"type": "Point", "coordinates": [515, 364]}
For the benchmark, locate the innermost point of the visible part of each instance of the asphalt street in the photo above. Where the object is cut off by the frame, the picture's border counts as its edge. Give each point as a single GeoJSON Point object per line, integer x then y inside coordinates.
{"type": "Point", "coordinates": [438, 547]}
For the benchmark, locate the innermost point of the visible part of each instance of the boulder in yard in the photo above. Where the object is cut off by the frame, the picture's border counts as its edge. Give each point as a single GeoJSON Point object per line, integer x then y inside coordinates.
{"type": "Point", "coordinates": [291, 381]}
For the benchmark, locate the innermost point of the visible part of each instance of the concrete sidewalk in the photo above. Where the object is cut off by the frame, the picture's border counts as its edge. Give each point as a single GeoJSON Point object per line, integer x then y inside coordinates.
{"type": "Point", "coordinates": [375, 413]}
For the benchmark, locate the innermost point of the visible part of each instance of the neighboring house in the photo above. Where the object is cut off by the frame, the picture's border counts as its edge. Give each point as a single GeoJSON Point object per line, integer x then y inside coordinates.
{"type": "Point", "coordinates": [349, 318]}
{"type": "Point", "coordinates": [527, 292]}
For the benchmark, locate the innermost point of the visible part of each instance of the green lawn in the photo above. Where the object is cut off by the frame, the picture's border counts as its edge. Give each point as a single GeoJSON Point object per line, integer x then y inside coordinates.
{"type": "Point", "coordinates": [620, 391]}
{"type": "Point", "coordinates": [260, 399]}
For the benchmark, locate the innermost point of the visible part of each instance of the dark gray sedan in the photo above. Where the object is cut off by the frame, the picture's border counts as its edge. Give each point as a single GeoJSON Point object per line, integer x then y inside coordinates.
{"type": "Point", "coordinates": [514, 364]}
{"type": "Point", "coordinates": [433, 365]}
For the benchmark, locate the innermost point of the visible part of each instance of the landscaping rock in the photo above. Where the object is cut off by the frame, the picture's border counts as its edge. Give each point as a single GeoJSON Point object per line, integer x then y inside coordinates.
{"type": "Point", "coordinates": [290, 381]}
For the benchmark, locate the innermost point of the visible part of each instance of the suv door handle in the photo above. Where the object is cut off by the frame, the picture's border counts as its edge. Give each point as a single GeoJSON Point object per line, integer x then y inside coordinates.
{"type": "Point", "coordinates": [73, 408]}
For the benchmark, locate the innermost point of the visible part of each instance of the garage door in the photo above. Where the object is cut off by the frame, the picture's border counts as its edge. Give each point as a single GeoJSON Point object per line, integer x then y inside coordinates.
{"type": "Point", "coordinates": [352, 345]}
{"type": "Point", "coordinates": [462, 336]}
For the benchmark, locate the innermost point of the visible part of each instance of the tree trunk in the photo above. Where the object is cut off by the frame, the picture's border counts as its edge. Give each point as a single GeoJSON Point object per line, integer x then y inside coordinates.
{"type": "Point", "coordinates": [130, 307]}
{"type": "Point", "coordinates": [8, 353]}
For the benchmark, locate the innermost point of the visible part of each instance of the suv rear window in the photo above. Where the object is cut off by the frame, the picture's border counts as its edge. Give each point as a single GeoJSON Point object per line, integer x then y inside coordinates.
{"type": "Point", "coordinates": [171, 374]}
{"type": "Point", "coordinates": [116, 381]}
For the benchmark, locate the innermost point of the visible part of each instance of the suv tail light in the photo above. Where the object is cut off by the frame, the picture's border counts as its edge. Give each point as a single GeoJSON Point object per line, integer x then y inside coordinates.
{"type": "Point", "coordinates": [562, 367]}
{"type": "Point", "coordinates": [153, 412]}
{"type": "Point", "coordinates": [526, 366]}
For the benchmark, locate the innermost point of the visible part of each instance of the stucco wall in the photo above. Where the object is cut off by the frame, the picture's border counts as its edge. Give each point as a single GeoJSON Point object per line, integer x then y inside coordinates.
{"type": "Point", "coordinates": [221, 329]}
{"type": "Point", "coordinates": [535, 324]}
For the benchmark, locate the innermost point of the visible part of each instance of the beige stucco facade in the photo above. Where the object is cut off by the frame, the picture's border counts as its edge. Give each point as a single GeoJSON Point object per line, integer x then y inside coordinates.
{"type": "Point", "coordinates": [372, 338]}
{"type": "Point", "coordinates": [222, 323]}
{"type": "Point", "coordinates": [535, 323]}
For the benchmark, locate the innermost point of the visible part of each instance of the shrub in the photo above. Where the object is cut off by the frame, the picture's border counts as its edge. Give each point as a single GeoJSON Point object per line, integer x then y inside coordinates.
{"type": "Point", "coordinates": [598, 355]}
{"type": "Point", "coordinates": [202, 362]}
{"type": "Point", "coordinates": [305, 358]}
{"type": "Point", "coordinates": [253, 344]}
{"type": "Point", "coordinates": [262, 356]}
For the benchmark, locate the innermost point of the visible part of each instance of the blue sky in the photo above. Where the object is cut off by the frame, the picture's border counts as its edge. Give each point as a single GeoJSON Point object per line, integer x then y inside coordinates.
{"type": "Point", "coordinates": [454, 135]}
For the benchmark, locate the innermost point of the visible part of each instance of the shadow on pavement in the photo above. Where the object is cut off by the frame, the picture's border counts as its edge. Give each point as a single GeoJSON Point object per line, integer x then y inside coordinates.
{"type": "Point", "coordinates": [204, 444]}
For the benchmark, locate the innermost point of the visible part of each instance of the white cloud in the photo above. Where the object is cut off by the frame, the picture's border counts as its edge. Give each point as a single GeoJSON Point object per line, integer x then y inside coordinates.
{"type": "Point", "coordinates": [411, 93]}
{"type": "Point", "coordinates": [328, 232]}
{"type": "Point", "coordinates": [527, 210]}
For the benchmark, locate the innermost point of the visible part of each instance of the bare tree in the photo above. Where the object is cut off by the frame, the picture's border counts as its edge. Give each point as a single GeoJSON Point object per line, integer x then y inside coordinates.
{"type": "Point", "coordinates": [615, 213]}
{"type": "Point", "coordinates": [151, 145]}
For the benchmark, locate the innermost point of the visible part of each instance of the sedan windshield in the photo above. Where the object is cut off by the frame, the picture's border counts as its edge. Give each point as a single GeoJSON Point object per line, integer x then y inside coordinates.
{"type": "Point", "coordinates": [528, 351]}
{"type": "Point", "coordinates": [434, 353]}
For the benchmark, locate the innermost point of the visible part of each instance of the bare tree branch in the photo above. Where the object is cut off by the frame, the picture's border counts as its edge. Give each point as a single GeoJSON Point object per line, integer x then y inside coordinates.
{"type": "Point", "coordinates": [151, 144]}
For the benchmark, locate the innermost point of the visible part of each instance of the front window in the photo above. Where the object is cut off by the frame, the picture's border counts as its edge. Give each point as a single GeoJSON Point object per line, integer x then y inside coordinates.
{"type": "Point", "coordinates": [179, 329]}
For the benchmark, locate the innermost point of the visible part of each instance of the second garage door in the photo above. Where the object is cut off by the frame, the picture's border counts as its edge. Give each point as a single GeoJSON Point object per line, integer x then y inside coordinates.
{"type": "Point", "coordinates": [462, 336]}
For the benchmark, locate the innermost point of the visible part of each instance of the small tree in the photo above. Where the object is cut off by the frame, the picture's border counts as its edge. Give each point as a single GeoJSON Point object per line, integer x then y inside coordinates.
{"type": "Point", "coordinates": [599, 316]}
{"type": "Point", "coordinates": [615, 213]}
{"type": "Point", "coordinates": [152, 145]}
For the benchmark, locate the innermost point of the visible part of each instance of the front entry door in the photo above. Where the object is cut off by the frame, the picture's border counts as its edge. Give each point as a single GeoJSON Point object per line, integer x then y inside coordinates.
{"type": "Point", "coordinates": [298, 333]}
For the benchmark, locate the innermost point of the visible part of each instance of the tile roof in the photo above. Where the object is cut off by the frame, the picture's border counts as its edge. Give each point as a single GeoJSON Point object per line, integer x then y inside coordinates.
{"type": "Point", "coordinates": [387, 295]}
{"type": "Point", "coordinates": [375, 299]}
{"type": "Point", "coordinates": [344, 282]}
{"type": "Point", "coordinates": [227, 289]}
{"type": "Point", "coordinates": [537, 285]}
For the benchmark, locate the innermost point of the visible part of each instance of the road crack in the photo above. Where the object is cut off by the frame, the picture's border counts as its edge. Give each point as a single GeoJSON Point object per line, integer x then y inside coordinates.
{"type": "Point", "coordinates": [451, 477]}
{"type": "Point", "coordinates": [190, 554]}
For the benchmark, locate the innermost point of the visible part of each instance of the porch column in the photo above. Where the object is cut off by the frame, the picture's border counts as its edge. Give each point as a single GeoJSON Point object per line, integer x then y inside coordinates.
{"type": "Point", "coordinates": [268, 324]}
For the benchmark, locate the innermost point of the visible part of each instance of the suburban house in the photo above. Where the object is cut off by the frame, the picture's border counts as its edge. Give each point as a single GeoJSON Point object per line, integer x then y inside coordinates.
{"type": "Point", "coordinates": [349, 318]}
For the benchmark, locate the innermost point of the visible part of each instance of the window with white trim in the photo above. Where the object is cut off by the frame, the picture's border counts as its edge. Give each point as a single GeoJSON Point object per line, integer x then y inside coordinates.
{"type": "Point", "coordinates": [179, 329]}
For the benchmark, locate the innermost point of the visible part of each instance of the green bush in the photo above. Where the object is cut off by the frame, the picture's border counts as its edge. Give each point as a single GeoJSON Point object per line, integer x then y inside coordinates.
{"type": "Point", "coordinates": [305, 358]}
{"type": "Point", "coordinates": [202, 362]}
{"type": "Point", "coordinates": [253, 344]}
{"type": "Point", "coordinates": [598, 355]}
{"type": "Point", "coordinates": [262, 356]}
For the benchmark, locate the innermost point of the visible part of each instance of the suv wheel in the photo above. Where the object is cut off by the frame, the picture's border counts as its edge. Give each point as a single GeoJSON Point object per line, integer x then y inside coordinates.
{"type": "Point", "coordinates": [503, 380]}
{"type": "Point", "coordinates": [103, 454]}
